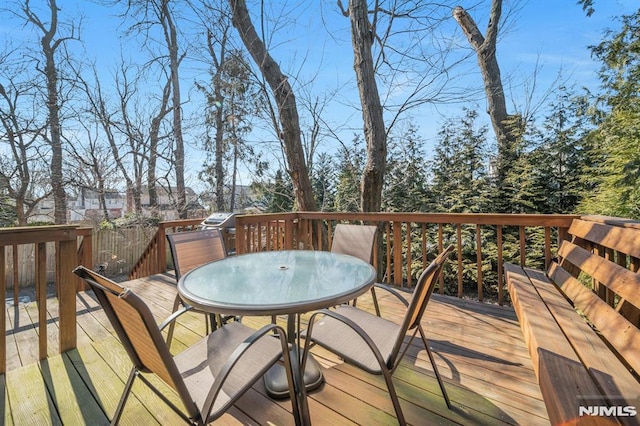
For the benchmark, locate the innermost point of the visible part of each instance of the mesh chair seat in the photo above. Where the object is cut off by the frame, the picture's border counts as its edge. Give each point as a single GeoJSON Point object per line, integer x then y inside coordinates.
{"type": "Point", "coordinates": [332, 333]}
{"type": "Point", "coordinates": [200, 364]}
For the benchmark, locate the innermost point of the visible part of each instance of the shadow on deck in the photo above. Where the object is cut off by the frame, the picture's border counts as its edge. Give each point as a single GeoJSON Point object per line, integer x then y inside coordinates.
{"type": "Point", "coordinates": [479, 349]}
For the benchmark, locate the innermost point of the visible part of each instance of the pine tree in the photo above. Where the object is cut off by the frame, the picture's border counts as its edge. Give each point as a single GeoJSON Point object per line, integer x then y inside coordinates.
{"type": "Point", "coordinates": [459, 167]}
{"type": "Point", "coordinates": [348, 190]}
{"type": "Point", "coordinates": [406, 188]}
{"type": "Point", "coordinates": [616, 140]}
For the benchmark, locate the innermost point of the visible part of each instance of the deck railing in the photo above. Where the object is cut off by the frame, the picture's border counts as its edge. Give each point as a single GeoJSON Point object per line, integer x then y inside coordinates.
{"type": "Point", "coordinates": [154, 258]}
{"type": "Point", "coordinates": [71, 245]}
{"type": "Point", "coordinates": [407, 242]}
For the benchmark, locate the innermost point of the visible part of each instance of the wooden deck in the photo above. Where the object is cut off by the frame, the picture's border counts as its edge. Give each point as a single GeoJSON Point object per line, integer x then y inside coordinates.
{"type": "Point", "coordinates": [479, 349]}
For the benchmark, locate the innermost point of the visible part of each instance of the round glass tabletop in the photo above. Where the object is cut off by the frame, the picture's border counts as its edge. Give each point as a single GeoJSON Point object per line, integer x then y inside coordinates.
{"type": "Point", "coordinates": [276, 282]}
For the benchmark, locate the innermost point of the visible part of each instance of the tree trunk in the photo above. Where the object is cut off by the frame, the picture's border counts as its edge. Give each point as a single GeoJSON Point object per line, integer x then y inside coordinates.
{"type": "Point", "coordinates": [55, 140]}
{"type": "Point", "coordinates": [505, 126]}
{"type": "Point", "coordinates": [174, 62]}
{"type": "Point", "coordinates": [374, 131]}
{"type": "Point", "coordinates": [285, 99]}
{"type": "Point", "coordinates": [219, 147]}
{"type": "Point", "coordinates": [154, 142]}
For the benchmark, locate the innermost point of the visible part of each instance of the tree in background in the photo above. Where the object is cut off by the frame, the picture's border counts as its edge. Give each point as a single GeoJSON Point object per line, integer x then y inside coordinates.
{"type": "Point", "coordinates": [406, 184]}
{"type": "Point", "coordinates": [288, 121]}
{"type": "Point", "coordinates": [507, 127]}
{"type": "Point", "coordinates": [52, 49]}
{"type": "Point", "coordinates": [560, 157]}
{"type": "Point", "coordinates": [23, 167]}
{"type": "Point", "coordinates": [323, 179]}
{"type": "Point", "coordinates": [616, 140]}
{"type": "Point", "coordinates": [350, 164]}
{"type": "Point", "coordinates": [459, 167]}
{"type": "Point", "coordinates": [275, 196]}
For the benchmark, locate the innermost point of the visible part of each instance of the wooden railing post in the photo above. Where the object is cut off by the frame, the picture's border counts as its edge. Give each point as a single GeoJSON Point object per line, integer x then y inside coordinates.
{"type": "Point", "coordinates": [85, 254]}
{"type": "Point", "coordinates": [161, 241]}
{"type": "Point", "coordinates": [3, 317]}
{"type": "Point", "coordinates": [66, 261]}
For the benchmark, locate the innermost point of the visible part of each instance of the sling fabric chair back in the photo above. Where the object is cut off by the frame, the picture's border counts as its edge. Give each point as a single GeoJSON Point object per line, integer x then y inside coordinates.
{"type": "Point", "coordinates": [354, 240]}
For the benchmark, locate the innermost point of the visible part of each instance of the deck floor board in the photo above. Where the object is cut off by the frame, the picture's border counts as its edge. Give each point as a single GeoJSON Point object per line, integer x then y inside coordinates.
{"type": "Point", "coordinates": [479, 350]}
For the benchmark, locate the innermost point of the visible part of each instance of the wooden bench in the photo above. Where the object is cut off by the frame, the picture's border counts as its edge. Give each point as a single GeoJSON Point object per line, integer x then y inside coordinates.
{"type": "Point", "coordinates": [581, 322]}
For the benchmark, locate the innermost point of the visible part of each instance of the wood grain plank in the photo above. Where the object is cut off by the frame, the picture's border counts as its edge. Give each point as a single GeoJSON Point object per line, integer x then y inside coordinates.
{"type": "Point", "coordinates": [622, 239]}
{"type": "Point", "coordinates": [75, 404]}
{"type": "Point", "coordinates": [614, 380]}
{"type": "Point", "coordinates": [617, 278]}
{"type": "Point", "coordinates": [560, 372]}
{"type": "Point", "coordinates": [106, 386]}
{"type": "Point", "coordinates": [29, 399]}
{"type": "Point", "coordinates": [619, 332]}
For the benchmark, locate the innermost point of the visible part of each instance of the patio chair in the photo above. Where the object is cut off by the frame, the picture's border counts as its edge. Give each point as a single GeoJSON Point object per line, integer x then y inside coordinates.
{"type": "Point", "coordinates": [190, 250]}
{"type": "Point", "coordinates": [357, 241]}
{"type": "Point", "coordinates": [209, 376]}
{"type": "Point", "coordinates": [375, 344]}
{"type": "Point", "coordinates": [354, 240]}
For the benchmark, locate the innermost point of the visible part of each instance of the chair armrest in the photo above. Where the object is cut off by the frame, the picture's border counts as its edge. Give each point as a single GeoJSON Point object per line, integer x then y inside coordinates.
{"type": "Point", "coordinates": [393, 291]}
{"type": "Point", "coordinates": [237, 355]}
{"type": "Point", "coordinates": [174, 316]}
{"type": "Point", "coordinates": [349, 323]}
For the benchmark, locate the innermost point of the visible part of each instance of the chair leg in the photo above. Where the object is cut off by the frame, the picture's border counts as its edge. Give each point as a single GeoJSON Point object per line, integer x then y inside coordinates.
{"type": "Point", "coordinates": [176, 305]}
{"type": "Point", "coordinates": [375, 301]}
{"type": "Point", "coordinates": [435, 368]}
{"type": "Point", "coordinates": [125, 395]}
{"type": "Point", "coordinates": [394, 396]}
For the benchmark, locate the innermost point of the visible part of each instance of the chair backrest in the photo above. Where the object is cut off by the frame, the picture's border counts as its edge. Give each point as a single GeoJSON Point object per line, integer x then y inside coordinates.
{"type": "Point", "coordinates": [354, 240]}
{"type": "Point", "coordinates": [138, 332]}
{"type": "Point", "coordinates": [421, 295]}
{"type": "Point", "coordinates": [195, 248]}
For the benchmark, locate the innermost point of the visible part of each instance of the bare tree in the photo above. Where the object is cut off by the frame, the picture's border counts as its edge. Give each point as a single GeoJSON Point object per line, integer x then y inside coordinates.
{"type": "Point", "coordinates": [50, 44]}
{"type": "Point", "coordinates": [21, 131]}
{"type": "Point", "coordinates": [507, 127]}
{"type": "Point", "coordinates": [161, 13]}
{"type": "Point", "coordinates": [375, 135]}
{"type": "Point", "coordinates": [288, 119]}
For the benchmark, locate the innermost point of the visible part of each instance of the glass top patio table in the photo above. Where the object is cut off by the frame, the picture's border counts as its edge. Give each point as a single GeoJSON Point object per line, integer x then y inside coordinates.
{"type": "Point", "coordinates": [276, 282]}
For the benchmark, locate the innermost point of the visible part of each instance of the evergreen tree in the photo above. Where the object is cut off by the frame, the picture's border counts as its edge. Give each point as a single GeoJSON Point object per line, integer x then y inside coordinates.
{"type": "Point", "coordinates": [616, 141]}
{"type": "Point", "coordinates": [348, 190]}
{"type": "Point", "coordinates": [406, 188]}
{"type": "Point", "coordinates": [276, 196]}
{"type": "Point", "coordinates": [560, 158]}
{"type": "Point", "coordinates": [323, 177]}
{"type": "Point", "coordinates": [459, 167]}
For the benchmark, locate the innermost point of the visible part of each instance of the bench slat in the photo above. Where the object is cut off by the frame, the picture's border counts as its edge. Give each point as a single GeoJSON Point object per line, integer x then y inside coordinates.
{"type": "Point", "coordinates": [560, 373]}
{"type": "Point", "coordinates": [619, 332]}
{"type": "Point", "coordinates": [624, 240]}
{"type": "Point", "coordinates": [614, 380]}
{"type": "Point", "coordinates": [617, 278]}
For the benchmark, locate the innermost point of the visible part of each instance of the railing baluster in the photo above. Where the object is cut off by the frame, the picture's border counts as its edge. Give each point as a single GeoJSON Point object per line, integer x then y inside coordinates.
{"type": "Point", "coordinates": [408, 262]}
{"type": "Point", "coordinates": [3, 317]}
{"type": "Point", "coordinates": [500, 265]}
{"type": "Point", "coordinates": [41, 296]}
{"type": "Point", "coordinates": [479, 261]}
{"type": "Point", "coordinates": [459, 253]}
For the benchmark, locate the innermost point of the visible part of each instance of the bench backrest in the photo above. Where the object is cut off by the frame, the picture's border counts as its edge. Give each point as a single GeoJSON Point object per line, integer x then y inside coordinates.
{"type": "Point", "coordinates": [597, 270]}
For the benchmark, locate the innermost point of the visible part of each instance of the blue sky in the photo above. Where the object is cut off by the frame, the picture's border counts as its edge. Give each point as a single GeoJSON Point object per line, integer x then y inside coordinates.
{"type": "Point", "coordinates": [312, 42]}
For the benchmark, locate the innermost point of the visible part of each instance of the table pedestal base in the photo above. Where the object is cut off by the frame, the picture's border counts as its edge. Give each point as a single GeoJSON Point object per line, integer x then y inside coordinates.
{"type": "Point", "coordinates": [275, 379]}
